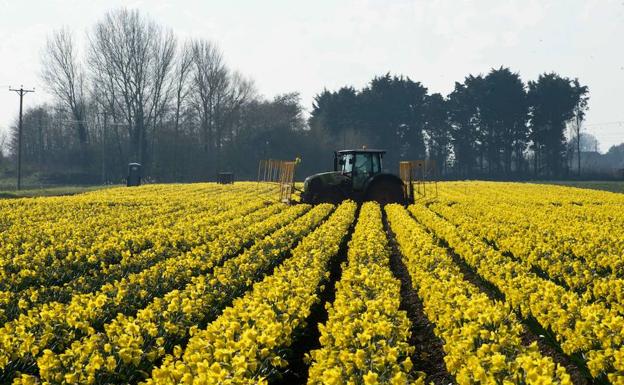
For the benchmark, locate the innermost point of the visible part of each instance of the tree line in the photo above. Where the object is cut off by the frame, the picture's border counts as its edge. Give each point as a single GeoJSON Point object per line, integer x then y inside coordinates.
{"type": "Point", "coordinates": [134, 92]}
{"type": "Point", "coordinates": [492, 126]}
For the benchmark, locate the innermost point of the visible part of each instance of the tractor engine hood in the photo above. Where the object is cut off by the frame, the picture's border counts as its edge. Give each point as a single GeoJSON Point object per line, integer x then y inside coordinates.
{"type": "Point", "coordinates": [326, 178]}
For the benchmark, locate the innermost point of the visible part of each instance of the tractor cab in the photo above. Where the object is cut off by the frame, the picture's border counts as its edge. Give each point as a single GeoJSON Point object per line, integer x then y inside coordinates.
{"type": "Point", "coordinates": [358, 165]}
{"type": "Point", "coordinates": [357, 175]}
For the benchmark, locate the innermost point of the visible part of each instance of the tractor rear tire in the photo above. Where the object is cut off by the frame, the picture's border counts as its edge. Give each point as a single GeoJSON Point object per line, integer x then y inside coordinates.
{"type": "Point", "coordinates": [386, 191]}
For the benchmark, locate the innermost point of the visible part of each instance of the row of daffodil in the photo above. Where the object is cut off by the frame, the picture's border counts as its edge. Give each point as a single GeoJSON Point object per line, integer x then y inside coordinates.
{"type": "Point", "coordinates": [166, 242]}
{"type": "Point", "coordinates": [591, 331]}
{"type": "Point", "coordinates": [56, 325]}
{"type": "Point", "coordinates": [582, 224]}
{"type": "Point", "coordinates": [532, 246]}
{"type": "Point", "coordinates": [482, 338]}
{"type": "Point", "coordinates": [531, 193]}
{"type": "Point", "coordinates": [584, 230]}
{"type": "Point", "coordinates": [98, 233]}
{"type": "Point", "coordinates": [572, 235]}
{"type": "Point", "coordinates": [248, 343]}
{"type": "Point", "coordinates": [130, 345]}
{"type": "Point", "coordinates": [53, 252]}
{"type": "Point", "coordinates": [365, 339]}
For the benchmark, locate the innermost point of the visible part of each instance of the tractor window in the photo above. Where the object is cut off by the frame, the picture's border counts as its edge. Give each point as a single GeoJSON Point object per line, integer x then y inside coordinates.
{"type": "Point", "coordinates": [363, 163]}
{"type": "Point", "coordinates": [376, 164]}
{"type": "Point", "coordinates": [346, 165]}
{"type": "Point", "coordinates": [363, 170]}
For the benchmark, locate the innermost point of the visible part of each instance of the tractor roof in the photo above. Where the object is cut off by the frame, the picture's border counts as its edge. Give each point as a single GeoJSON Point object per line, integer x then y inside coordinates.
{"type": "Point", "coordinates": [361, 150]}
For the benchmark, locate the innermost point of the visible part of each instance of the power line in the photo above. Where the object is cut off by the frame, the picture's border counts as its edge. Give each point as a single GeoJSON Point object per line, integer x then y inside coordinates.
{"type": "Point", "coordinates": [21, 92]}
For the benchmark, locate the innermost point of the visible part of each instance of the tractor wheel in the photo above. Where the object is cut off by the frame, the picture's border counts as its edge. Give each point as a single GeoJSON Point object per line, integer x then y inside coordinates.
{"type": "Point", "coordinates": [385, 191]}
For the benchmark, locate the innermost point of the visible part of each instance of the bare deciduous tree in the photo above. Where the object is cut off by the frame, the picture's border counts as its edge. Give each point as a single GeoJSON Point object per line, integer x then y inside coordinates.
{"type": "Point", "coordinates": [209, 81]}
{"type": "Point", "coordinates": [132, 57]}
{"type": "Point", "coordinates": [241, 91]}
{"type": "Point", "coordinates": [64, 75]}
{"type": "Point", "coordinates": [217, 96]}
{"type": "Point", "coordinates": [183, 67]}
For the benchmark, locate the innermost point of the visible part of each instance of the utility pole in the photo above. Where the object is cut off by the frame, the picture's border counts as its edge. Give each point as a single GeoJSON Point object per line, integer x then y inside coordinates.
{"type": "Point", "coordinates": [578, 139]}
{"type": "Point", "coordinates": [104, 129]}
{"type": "Point", "coordinates": [21, 92]}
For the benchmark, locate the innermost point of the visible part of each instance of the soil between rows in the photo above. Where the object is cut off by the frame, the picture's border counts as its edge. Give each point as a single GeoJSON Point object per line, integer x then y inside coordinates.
{"type": "Point", "coordinates": [308, 339]}
{"type": "Point", "coordinates": [429, 354]}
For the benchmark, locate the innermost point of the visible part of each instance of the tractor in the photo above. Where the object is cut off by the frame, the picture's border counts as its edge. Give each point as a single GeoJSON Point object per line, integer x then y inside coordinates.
{"type": "Point", "coordinates": [358, 176]}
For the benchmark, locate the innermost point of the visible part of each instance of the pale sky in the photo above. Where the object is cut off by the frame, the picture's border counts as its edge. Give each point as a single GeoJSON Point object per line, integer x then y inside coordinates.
{"type": "Point", "coordinates": [287, 46]}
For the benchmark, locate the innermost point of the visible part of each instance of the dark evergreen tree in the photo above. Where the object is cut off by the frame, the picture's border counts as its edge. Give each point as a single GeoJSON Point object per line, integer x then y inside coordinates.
{"type": "Point", "coordinates": [552, 100]}
{"type": "Point", "coordinates": [438, 131]}
{"type": "Point", "coordinates": [503, 116]}
{"type": "Point", "coordinates": [463, 115]}
{"type": "Point", "coordinates": [393, 110]}
{"type": "Point", "coordinates": [337, 113]}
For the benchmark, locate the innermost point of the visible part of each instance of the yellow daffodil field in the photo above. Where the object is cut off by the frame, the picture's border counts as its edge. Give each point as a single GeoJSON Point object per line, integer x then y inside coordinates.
{"type": "Point", "coordinates": [482, 283]}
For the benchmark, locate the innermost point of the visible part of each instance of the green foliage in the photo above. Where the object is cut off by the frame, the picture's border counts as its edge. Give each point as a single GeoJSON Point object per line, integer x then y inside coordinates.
{"type": "Point", "coordinates": [554, 100]}
{"type": "Point", "coordinates": [388, 113]}
{"type": "Point", "coordinates": [483, 128]}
